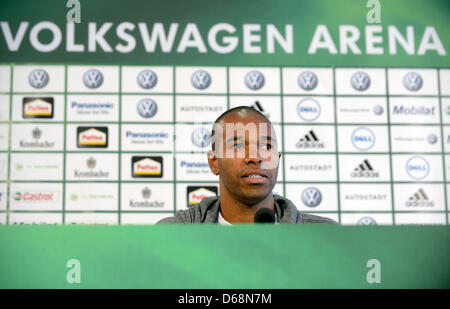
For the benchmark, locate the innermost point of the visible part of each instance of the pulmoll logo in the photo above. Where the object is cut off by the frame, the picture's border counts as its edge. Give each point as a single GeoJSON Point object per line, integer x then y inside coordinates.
{"type": "Point", "coordinates": [37, 107]}
{"type": "Point", "coordinates": [419, 199]}
{"type": "Point", "coordinates": [201, 79]}
{"type": "Point", "coordinates": [417, 167]}
{"type": "Point", "coordinates": [36, 196]}
{"type": "Point", "coordinates": [38, 78]}
{"type": "Point", "coordinates": [311, 197]}
{"type": "Point", "coordinates": [36, 134]}
{"type": "Point", "coordinates": [93, 78]}
{"type": "Point", "coordinates": [147, 79]}
{"type": "Point", "coordinates": [310, 140]}
{"type": "Point", "coordinates": [92, 137]}
{"type": "Point", "coordinates": [91, 163]}
{"type": "Point", "coordinates": [254, 80]}
{"type": "Point", "coordinates": [146, 167]}
{"type": "Point", "coordinates": [412, 81]}
{"type": "Point", "coordinates": [307, 80]}
{"type": "Point", "coordinates": [360, 81]}
{"type": "Point", "coordinates": [365, 170]}
{"type": "Point", "coordinates": [196, 193]}
{"type": "Point", "coordinates": [308, 109]}
{"type": "Point", "coordinates": [147, 108]}
{"type": "Point", "coordinates": [363, 138]}
{"type": "Point", "coordinates": [366, 221]}
{"type": "Point", "coordinates": [147, 202]}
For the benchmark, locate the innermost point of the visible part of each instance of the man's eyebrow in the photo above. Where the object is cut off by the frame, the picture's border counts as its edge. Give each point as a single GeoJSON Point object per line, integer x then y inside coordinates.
{"type": "Point", "coordinates": [269, 138]}
{"type": "Point", "coordinates": [234, 138]}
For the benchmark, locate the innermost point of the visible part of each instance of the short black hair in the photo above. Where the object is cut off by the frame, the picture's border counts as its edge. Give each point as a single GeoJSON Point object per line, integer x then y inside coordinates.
{"type": "Point", "coordinates": [232, 110]}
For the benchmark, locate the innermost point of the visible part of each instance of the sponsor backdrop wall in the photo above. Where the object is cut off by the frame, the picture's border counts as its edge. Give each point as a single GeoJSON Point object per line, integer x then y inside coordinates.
{"type": "Point", "coordinates": [107, 121]}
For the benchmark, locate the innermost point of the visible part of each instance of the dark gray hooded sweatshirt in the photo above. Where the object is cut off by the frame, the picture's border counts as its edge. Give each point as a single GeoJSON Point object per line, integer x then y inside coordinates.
{"type": "Point", "coordinates": [207, 211]}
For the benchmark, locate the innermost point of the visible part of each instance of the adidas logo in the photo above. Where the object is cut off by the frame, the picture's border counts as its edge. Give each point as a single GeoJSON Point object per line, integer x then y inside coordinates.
{"type": "Point", "coordinates": [310, 140]}
{"type": "Point", "coordinates": [419, 199]}
{"type": "Point", "coordinates": [259, 108]}
{"type": "Point", "coordinates": [364, 170]}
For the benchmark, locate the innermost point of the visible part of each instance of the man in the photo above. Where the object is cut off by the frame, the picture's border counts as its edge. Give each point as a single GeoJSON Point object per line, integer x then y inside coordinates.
{"type": "Point", "coordinates": [245, 156]}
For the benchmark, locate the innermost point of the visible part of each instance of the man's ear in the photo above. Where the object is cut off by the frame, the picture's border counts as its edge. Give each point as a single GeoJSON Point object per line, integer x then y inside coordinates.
{"type": "Point", "coordinates": [213, 162]}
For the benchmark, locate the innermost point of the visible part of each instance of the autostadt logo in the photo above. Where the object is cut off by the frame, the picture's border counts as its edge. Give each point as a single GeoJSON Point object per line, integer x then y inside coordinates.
{"type": "Point", "coordinates": [363, 138]}
{"type": "Point", "coordinates": [147, 79]}
{"type": "Point", "coordinates": [93, 78]}
{"type": "Point", "coordinates": [147, 108]}
{"type": "Point", "coordinates": [311, 197]}
{"type": "Point", "coordinates": [366, 221]}
{"type": "Point", "coordinates": [360, 81]}
{"type": "Point", "coordinates": [201, 79]}
{"type": "Point", "coordinates": [307, 80]}
{"type": "Point", "coordinates": [201, 137]}
{"type": "Point", "coordinates": [412, 81]}
{"type": "Point", "coordinates": [308, 109]}
{"type": "Point", "coordinates": [254, 80]}
{"type": "Point", "coordinates": [38, 78]}
{"type": "Point", "coordinates": [417, 167]}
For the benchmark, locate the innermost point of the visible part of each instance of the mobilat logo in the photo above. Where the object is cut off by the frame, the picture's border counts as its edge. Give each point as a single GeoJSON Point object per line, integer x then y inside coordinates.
{"type": "Point", "coordinates": [147, 167]}
{"type": "Point", "coordinates": [37, 107]}
{"type": "Point", "coordinates": [92, 137]}
{"type": "Point", "coordinates": [36, 196]}
{"type": "Point", "coordinates": [414, 110]}
{"type": "Point", "coordinates": [195, 194]}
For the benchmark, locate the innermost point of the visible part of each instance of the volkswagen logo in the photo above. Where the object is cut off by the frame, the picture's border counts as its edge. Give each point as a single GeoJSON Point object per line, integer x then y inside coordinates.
{"type": "Point", "coordinates": [366, 221]}
{"type": "Point", "coordinates": [201, 137]}
{"type": "Point", "coordinates": [360, 81]}
{"type": "Point", "coordinates": [254, 80]}
{"type": "Point", "coordinates": [147, 79]}
{"type": "Point", "coordinates": [93, 78]}
{"type": "Point", "coordinates": [38, 78]}
{"type": "Point", "coordinates": [147, 108]}
{"type": "Point", "coordinates": [311, 197]}
{"type": "Point", "coordinates": [412, 81]}
{"type": "Point", "coordinates": [307, 80]}
{"type": "Point", "coordinates": [201, 79]}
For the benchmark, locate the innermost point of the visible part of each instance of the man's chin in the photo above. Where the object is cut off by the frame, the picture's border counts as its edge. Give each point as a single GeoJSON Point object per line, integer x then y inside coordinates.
{"type": "Point", "coordinates": [252, 197]}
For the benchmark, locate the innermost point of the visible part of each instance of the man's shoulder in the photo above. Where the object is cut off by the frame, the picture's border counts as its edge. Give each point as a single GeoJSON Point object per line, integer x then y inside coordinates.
{"type": "Point", "coordinates": [195, 214]}
{"type": "Point", "coordinates": [291, 214]}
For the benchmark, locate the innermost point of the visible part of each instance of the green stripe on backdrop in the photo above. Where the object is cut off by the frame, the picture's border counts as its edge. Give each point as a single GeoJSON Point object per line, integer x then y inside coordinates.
{"type": "Point", "coordinates": [211, 256]}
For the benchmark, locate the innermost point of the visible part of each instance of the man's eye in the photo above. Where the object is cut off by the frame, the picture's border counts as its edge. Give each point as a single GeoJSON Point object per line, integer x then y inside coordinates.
{"type": "Point", "coordinates": [238, 146]}
{"type": "Point", "coordinates": [266, 146]}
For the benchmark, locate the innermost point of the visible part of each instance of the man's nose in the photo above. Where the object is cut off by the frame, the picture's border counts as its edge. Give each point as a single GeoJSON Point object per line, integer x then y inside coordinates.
{"type": "Point", "coordinates": [253, 157]}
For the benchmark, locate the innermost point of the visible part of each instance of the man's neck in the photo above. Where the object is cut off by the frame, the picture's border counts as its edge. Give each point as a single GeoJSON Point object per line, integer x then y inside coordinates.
{"type": "Point", "coordinates": [235, 211]}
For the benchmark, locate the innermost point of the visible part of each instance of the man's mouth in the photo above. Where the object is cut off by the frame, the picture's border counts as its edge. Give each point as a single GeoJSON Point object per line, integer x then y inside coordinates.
{"type": "Point", "coordinates": [255, 177]}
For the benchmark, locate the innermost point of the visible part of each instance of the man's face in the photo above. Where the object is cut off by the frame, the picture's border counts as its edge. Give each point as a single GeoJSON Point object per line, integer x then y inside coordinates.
{"type": "Point", "coordinates": [247, 160]}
